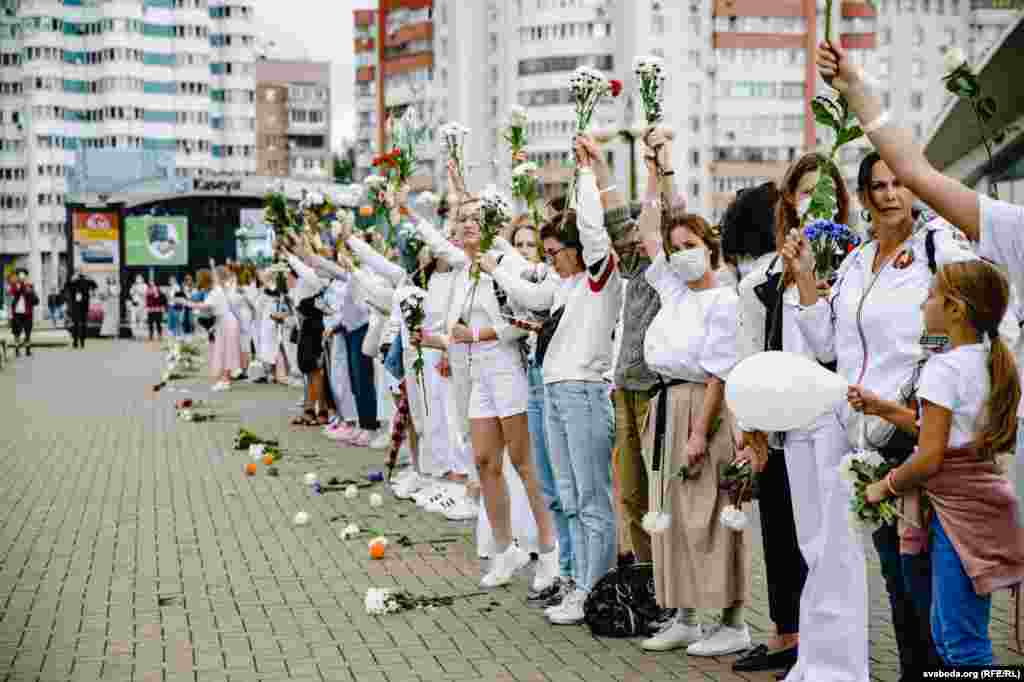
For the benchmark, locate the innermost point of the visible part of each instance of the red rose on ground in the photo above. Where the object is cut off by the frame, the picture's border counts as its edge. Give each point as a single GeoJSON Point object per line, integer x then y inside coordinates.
{"type": "Point", "coordinates": [616, 88]}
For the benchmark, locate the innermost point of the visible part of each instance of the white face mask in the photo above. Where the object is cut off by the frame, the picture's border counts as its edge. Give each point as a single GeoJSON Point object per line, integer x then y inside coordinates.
{"type": "Point", "coordinates": [690, 264]}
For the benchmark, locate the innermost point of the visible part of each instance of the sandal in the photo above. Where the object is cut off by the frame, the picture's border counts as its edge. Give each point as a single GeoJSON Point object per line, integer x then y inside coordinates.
{"type": "Point", "coordinates": [307, 419]}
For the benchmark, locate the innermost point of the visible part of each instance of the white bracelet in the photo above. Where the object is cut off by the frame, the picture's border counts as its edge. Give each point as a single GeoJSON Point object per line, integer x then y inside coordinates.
{"type": "Point", "coordinates": [882, 120]}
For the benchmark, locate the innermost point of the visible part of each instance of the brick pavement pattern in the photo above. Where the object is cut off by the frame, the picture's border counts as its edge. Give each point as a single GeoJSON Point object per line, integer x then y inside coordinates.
{"type": "Point", "coordinates": [134, 548]}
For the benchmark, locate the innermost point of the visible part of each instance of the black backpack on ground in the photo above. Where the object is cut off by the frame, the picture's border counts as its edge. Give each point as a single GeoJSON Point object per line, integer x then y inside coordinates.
{"type": "Point", "coordinates": [623, 604]}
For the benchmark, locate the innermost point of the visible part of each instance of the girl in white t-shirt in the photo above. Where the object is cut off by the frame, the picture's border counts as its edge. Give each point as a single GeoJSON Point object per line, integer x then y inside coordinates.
{"type": "Point", "coordinates": [968, 403]}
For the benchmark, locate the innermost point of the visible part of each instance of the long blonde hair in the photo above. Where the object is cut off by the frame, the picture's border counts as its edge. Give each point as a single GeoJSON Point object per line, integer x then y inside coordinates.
{"type": "Point", "coordinates": [986, 294]}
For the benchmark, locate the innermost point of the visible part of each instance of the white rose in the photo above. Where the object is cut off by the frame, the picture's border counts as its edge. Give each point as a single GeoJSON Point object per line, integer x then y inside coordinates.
{"type": "Point", "coordinates": [954, 59]}
{"type": "Point", "coordinates": [733, 518]}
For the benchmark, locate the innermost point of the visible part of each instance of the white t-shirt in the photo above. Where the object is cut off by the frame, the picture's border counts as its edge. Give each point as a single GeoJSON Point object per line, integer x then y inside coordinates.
{"type": "Point", "coordinates": [1002, 242]}
{"type": "Point", "coordinates": [958, 380]}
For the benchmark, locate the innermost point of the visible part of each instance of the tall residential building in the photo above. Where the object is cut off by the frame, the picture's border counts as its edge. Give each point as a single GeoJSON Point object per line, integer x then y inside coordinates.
{"type": "Point", "coordinates": [741, 77]}
{"type": "Point", "coordinates": [293, 119]}
{"type": "Point", "coordinates": [173, 78]}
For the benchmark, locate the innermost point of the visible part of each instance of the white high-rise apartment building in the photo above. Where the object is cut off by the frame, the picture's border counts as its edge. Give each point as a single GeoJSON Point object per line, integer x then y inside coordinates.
{"type": "Point", "coordinates": [169, 76]}
{"type": "Point", "coordinates": [740, 77]}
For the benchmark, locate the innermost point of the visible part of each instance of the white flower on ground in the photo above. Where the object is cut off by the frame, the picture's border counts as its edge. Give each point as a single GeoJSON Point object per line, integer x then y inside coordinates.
{"type": "Point", "coordinates": [256, 450]}
{"type": "Point", "coordinates": [311, 478]}
{"type": "Point", "coordinates": [953, 59]}
{"type": "Point", "coordinates": [656, 523]}
{"type": "Point", "coordinates": [376, 500]}
{"type": "Point", "coordinates": [349, 531]}
{"type": "Point", "coordinates": [301, 518]}
{"type": "Point", "coordinates": [186, 415]}
{"type": "Point", "coordinates": [378, 602]}
{"type": "Point", "coordinates": [351, 492]}
{"type": "Point", "coordinates": [733, 518]}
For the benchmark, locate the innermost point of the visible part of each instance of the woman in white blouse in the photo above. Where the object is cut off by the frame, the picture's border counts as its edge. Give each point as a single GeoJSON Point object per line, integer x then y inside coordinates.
{"type": "Point", "coordinates": [831, 648]}
{"type": "Point", "coordinates": [998, 226]}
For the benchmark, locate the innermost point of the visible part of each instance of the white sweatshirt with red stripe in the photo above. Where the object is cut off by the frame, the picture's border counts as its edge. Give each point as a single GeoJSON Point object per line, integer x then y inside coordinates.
{"type": "Point", "coordinates": [581, 348]}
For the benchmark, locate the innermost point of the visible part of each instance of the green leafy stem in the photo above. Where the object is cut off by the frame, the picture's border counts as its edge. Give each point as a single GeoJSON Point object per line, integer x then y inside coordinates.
{"type": "Point", "coordinates": [964, 83]}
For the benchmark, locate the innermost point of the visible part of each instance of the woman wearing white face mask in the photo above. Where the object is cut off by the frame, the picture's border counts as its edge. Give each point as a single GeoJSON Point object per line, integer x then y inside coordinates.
{"type": "Point", "coordinates": [698, 562]}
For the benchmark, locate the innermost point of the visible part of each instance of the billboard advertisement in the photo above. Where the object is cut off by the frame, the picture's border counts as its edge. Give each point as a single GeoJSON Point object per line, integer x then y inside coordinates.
{"type": "Point", "coordinates": [156, 240]}
{"type": "Point", "coordinates": [255, 236]}
{"type": "Point", "coordinates": [95, 236]}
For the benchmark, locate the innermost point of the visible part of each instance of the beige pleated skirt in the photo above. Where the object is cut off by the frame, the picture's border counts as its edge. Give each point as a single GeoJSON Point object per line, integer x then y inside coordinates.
{"type": "Point", "coordinates": [698, 562]}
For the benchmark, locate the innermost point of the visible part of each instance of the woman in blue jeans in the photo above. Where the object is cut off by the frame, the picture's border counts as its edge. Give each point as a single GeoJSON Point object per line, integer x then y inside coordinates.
{"type": "Point", "coordinates": [575, 352]}
{"type": "Point", "coordinates": [525, 240]}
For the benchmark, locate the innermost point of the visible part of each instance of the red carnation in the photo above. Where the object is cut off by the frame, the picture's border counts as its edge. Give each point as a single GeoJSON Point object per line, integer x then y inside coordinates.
{"type": "Point", "coordinates": [616, 88]}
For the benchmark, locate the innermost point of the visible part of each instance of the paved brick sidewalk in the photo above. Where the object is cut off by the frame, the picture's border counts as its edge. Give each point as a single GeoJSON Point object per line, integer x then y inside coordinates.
{"type": "Point", "coordinates": [134, 548]}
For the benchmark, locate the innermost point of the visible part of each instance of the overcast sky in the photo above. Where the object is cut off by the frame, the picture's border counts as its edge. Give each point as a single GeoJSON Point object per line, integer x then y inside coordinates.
{"type": "Point", "coordinates": [320, 30]}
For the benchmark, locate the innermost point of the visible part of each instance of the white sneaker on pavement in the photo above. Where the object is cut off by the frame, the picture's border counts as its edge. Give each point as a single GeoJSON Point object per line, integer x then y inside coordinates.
{"type": "Point", "coordinates": [463, 510]}
{"type": "Point", "coordinates": [547, 571]}
{"type": "Point", "coordinates": [673, 636]}
{"type": "Point", "coordinates": [404, 489]}
{"type": "Point", "coordinates": [570, 611]}
{"type": "Point", "coordinates": [504, 567]}
{"type": "Point", "coordinates": [721, 640]}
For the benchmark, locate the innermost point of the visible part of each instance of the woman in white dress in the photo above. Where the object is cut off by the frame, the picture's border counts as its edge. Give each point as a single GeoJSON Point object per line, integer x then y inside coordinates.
{"type": "Point", "coordinates": [137, 305]}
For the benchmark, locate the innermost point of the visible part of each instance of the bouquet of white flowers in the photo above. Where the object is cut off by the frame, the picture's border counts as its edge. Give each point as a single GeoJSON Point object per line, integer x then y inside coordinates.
{"type": "Point", "coordinates": [515, 133]}
{"type": "Point", "coordinates": [860, 469]}
{"type": "Point", "coordinates": [650, 72]}
{"type": "Point", "coordinates": [453, 137]}
{"type": "Point", "coordinates": [413, 314]}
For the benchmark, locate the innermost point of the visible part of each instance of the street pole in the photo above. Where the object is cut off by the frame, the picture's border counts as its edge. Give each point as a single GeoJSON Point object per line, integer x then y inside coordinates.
{"type": "Point", "coordinates": [35, 258]}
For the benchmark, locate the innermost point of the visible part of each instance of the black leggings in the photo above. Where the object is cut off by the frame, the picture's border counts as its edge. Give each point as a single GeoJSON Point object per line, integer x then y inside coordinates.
{"type": "Point", "coordinates": [156, 320]}
{"type": "Point", "coordinates": [784, 565]}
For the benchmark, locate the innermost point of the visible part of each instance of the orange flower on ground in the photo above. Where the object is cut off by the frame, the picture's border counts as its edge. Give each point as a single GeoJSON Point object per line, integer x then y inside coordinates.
{"type": "Point", "coordinates": [250, 469]}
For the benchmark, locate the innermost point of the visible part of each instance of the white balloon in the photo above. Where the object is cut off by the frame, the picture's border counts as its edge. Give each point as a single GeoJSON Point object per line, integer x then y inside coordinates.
{"type": "Point", "coordinates": [776, 391]}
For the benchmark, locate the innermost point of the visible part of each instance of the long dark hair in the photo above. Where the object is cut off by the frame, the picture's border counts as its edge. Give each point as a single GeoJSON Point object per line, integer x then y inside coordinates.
{"type": "Point", "coordinates": [748, 226]}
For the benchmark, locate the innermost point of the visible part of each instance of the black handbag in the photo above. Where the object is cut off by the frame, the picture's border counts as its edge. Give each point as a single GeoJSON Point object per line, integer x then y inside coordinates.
{"type": "Point", "coordinates": [547, 331]}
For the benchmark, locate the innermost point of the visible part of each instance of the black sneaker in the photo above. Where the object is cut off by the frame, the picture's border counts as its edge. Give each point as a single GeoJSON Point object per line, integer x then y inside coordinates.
{"type": "Point", "coordinates": [540, 598]}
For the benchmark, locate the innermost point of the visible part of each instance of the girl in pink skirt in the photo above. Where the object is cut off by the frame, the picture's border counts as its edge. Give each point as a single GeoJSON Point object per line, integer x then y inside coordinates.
{"type": "Point", "coordinates": [226, 352]}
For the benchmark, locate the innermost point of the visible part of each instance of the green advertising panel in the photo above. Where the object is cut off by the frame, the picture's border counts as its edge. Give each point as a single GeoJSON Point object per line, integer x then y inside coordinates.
{"type": "Point", "coordinates": [156, 240]}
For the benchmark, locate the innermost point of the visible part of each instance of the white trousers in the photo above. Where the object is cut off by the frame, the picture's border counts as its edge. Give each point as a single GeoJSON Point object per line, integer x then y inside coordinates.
{"type": "Point", "coordinates": [834, 603]}
{"type": "Point", "coordinates": [341, 379]}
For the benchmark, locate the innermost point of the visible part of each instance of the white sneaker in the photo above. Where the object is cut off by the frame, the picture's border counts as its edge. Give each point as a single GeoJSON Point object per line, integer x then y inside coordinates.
{"type": "Point", "coordinates": [451, 494]}
{"type": "Point", "coordinates": [463, 510]}
{"type": "Point", "coordinates": [504, 567]}
{"type": "Point", "coordinates": [721, 641]}
{"type": "Point", "coordinates": [547, 571]}
{"type": "Point", "coordinates": [381, 441]}
{"type": "Point", "coordinates": [405, 489]}
{"type": "Point", "coordinates": [675, 635]}
{"type": "Point", "coordinates": [570, 611]}
{"type": "Point", "coordinates": [432, 492]}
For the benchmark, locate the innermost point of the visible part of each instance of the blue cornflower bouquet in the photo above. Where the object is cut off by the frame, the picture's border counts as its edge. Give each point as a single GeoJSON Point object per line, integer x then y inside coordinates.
{"type": "Point", "coordinates": [828, 240]}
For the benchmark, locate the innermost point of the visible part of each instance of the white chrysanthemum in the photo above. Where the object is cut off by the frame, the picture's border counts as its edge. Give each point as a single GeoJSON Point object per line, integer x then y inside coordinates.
{"type": "Point", "coordinates": [524, 168]}
{"type": "Point", "coordinates": [351, 492]}
{"type": "Point", "coordinates": [518, 117]}
{"type": "Point", "coordinates": [953, 59]}
{"type": "Point", "coordinates": [379, 602]}
{"type": "Point", "coordinates": [375, 181]}
{"type": "Point", "coordinates": [871, 457]}
{"type": "Point", "coordinates": [376, 500]}
{"type": "Point", "coordinates": [428, 199]}
{"type": "Point", "coordinates": [846, 468]}
{"type": "Point", "coordinates": [453, 130]}
{"type": "Point", "coordinates": [733, 518]}
{"type": "Point", "coordinates": [409, 293]}
{"type": "Point", "coordinates": [349, 531]}
{"type": "Point", "coordinates": [301, 518]}
{"type": "Point", "coordinates": [186, 415]}
{"type": "Point", "coordinates": [256, 450]}
{"type": "Point", "coordinates": [647, 64]}
{"type": "Point", "coordinates": [656, 523]}
{"type": "Point", "coordinates": [310, 478]}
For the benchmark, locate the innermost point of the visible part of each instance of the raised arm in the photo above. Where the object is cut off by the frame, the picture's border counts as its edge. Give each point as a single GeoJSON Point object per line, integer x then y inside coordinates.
{"type": "Point", "coordinates": [539, 297]}
{"type": "Point", "coordinates": [329, 266]}
{"type": "Point", "coordinates": [895, 144]}
{"type": "Point", "coordinates": [439, 246]}
{"type": "Point", "coordinates": [376, 262]}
